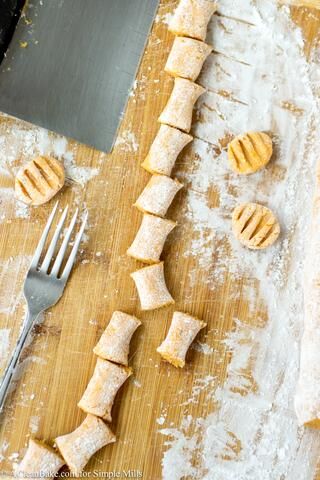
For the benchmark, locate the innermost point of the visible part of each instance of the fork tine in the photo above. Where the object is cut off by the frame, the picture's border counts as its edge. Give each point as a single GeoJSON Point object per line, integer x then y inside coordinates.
{"type": "Point", "coordinates": [47, 259]}
{"type": "Point", "coordinates": [71, 259]}
{"type": "Point", "coordinates": [64, 245]}
{"type": "Point", "coordinates": [37, 253]}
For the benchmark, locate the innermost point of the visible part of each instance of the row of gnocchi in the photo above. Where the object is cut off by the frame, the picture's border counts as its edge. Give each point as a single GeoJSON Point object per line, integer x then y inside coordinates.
{"type": "Point", "coordinates": [185, 61]}
{"type": "Point", "coordinates": [110, 373]}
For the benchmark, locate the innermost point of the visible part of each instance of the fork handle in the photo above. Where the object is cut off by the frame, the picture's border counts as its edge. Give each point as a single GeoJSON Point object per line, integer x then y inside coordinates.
{"type": "Point", "coordinates": [12, 365]}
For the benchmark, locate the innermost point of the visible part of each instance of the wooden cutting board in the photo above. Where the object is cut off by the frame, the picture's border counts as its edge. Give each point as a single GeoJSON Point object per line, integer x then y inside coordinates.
{"type": "Point", "coordinates": [60, 360]}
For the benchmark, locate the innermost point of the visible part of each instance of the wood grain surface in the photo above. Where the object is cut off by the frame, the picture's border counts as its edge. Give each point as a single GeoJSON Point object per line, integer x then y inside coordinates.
{"type": "Point", "coordinates": [59, 360]}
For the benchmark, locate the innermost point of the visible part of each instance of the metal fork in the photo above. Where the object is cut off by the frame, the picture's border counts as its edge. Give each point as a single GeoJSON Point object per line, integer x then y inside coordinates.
{"type": "Point", "coordinates": [43, 288]}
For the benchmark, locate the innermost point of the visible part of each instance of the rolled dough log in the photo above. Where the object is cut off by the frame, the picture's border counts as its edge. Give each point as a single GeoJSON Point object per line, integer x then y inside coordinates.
{"type": "Point", "coordinates": [307, 399]}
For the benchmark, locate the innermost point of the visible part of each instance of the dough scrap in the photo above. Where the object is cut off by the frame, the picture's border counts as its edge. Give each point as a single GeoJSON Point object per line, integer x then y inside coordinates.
{"type": "Point", "coordinates": [187, 57]}
{"type": "Point", "coordinates": [149, 241]}
{"type": "Point", "coordinates": [191, 18]}
{"type": "Point", "coordinates": [255, 226]}
{"type": "Point", "coordinates": [102, 388]}
{"type": "Point", "coordinates": [158, 195]}
{"type": "Point", "coordinates": [165, 149]}
{"type": "Point", "coordinates": [182, 332]}
{"type": "Point", "coordinates": [178, 111]}
{"type": "Point", "coordinates": [249, 152]}
{"type": "Point", "coordinates": [39, 180]}
{"type": "Point", "coordinates": [80, 445]}
{"type": "Point", "coordinates": [151, 286]}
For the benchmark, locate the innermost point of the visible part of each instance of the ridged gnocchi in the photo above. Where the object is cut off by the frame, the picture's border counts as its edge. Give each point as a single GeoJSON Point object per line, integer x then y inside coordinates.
{"type": "Point", "coordinates": [255, 226]}
{"type": "Point", "coordinates": [39, 180]}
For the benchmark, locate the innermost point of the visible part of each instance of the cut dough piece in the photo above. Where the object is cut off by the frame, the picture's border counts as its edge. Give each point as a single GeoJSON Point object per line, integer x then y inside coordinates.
{"type": "Point", "coordinates": [158, 194]}
{"type": "Point", "coordinates": [78, 446]}
{"type": "Point", "coordinates": [165, 149]}
{"type": "Point", "coordinates": [187, 57]}
{"type": "Point", "coordinates": [307, 398]}
{"type": "Point", "coordinates": [114, 343]}
{"type": "Point", "coordinates": [178, 111]}
{"type": "Point", "coordinates": [39, 460]}
{"type": "Point", "coordinates": [191, 18]}
{"type": "Point", "coordinates": [182, 332]}
{"type": "Point", "coordinates": [100, 393]}
{"type": "Point", "coordinates": [149, 241]}
{"type": "Point", "coordinates": [255, 226]}
{"type": "Point", "coordinates": [39, 180]}
{"type": "Point", "coordinates": [151, 286]}
{"type": "Point", "coordinates": [249, 152]}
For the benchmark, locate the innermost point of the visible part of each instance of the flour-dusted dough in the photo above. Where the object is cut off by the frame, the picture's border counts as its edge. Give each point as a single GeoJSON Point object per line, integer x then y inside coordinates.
{"type": "Point", "coordinates": [151, 286]}
{"type": "Point", "coordinates": [80, 445]}
{"type": "Point", "coordinates": [249, 152]}
{"type": "Point", "coordinates": [182, 332]}
{"type": "Point", "coordinates": [165, 149]}
{"type": "Point", "coordinates": [158, 194]}
{"type": "Point", "coordinates": [307, 399]}
{"type": "Point", "coordinates": [191, 18]}
{"type": "Point", "coordinates": [149, 241]}
{"type": "Point", "coordinates": [39, 460]}
{"type": "Point", "coordinates": [100, 393]}
{"type": "Point", "coordinates": [39, 180]}
{"type": "Point", "coordinates": [178, 111]}
{"type": "Point", "coordinates": [114, 343]}
{"type": "Point", "coordinates": [187, 57]}
{"type": "Point", "coordinates": [255, 226]}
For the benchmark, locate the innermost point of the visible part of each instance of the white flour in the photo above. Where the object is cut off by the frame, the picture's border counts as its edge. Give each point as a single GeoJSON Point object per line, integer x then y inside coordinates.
{"type": "Point", "coordinates": [259, 80]}
{"type": "Point", "coordinates": [127, 140]}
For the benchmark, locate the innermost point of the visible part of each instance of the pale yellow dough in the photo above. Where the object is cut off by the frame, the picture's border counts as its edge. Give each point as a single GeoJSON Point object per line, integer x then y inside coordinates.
{"type": "Point", "coordinates": [149, 241]}
{"type": "Point", "coordinates": [255, 226]}
{"type": "Point", "coordinates": [102, 388]}
{"type": "Point", "coordinates": [187, 57]}
{"type": "Point", "coordinates": [182, 332]}
{"type": "Point", "coordinates": [249, 152]}
{"type": "Point", "coordinates": [114, 343]}
{"type": "Point", "coordinates": [165, 149]}
{"type": "Point", "coordinates": [178, 111]}
{"type": "Point", "coordinates": [151, 286]}
{"type": "Point", "coordinates": [39, 180]}
{"type": "Point", "coordinates": [191, 18]}
{"type": "Point", "coordinates": [80, 445]}
{"type": "Point", "coordinates": [39, 459]}
{"type": "Point", "coordinates": [158, 195]}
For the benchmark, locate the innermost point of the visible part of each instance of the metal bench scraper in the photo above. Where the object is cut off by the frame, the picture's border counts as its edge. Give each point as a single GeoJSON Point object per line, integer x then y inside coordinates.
{"type": "Point", "coordinates": [70, 64]}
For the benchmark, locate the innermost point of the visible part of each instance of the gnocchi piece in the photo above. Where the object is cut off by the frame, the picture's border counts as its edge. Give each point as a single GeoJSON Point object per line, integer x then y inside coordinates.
{"type": "Point", "coordinates": [182, 332]}
{"type": "Point", "coordinates": [39, 180]}
{"type": "Point", "coordinates": [165, 149]}
{"type": "Point", "coordinates": [255, 226]}
{"type": "Point", "coordinates": [39, 459]}
{"type": "Point", "coordinates": [178, 111]}
{"type": "Point", "coordinates": [149, 241]}
{"type": "Point", "coordinates": [250, 152]}
{"type": "Point", "coordinates": [191, 18]}
{"type": "Point", "coordinates": [101, 390]}
{"type": "Point", "coordinates": [78, 446]}
{"type": "Point", "coordinates": [158, 195]}
{"type": "Point", "coordinates": [187, 57]}
{"type": "Point", "coordinates": [151, 286]}
{"type": "Point", "coordinates": [115, 340]}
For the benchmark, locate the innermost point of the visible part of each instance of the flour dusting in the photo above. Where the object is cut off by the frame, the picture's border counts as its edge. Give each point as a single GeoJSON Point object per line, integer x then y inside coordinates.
{"type": "Point", "coordinates": [127, 141]}
{"type": "Point", "coordinates": [20, 143]}
{"type": "Point", "coordinates": [256, 79]}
